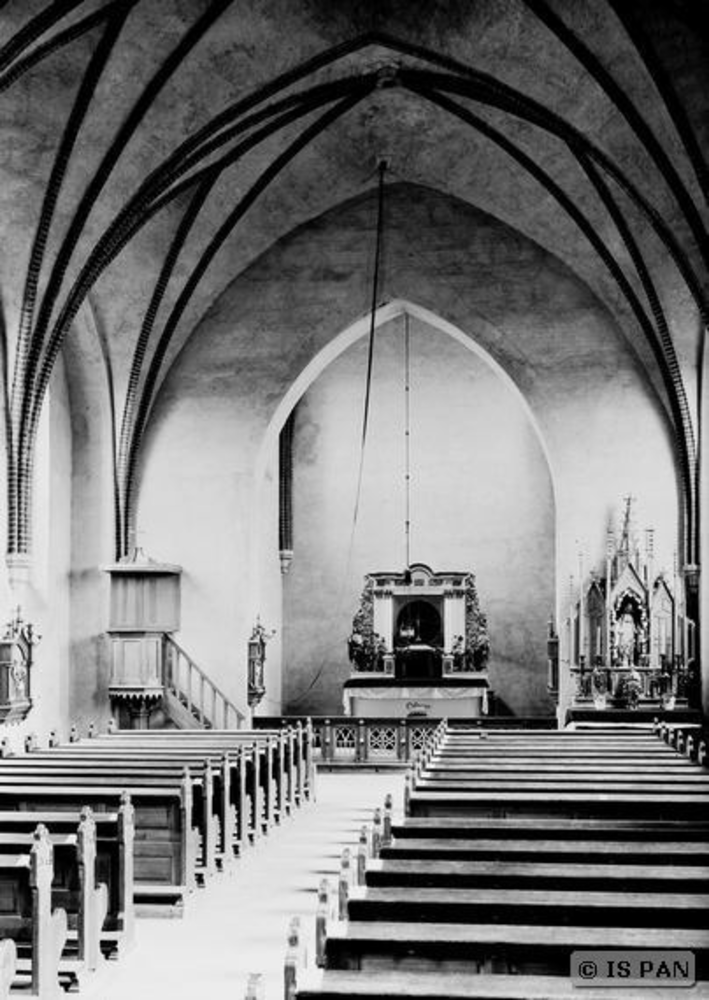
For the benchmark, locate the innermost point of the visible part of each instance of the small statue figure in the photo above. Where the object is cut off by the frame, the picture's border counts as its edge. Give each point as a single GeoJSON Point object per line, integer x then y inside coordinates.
{"type": "Point", "coordinates": [626, 639]}
{"type": "Point", "coordinates": [18, 675]}
{"type": "Point", "coordinates": [380, 648]}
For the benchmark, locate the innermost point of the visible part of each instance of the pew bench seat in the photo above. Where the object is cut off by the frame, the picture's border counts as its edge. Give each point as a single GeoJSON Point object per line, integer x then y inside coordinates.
{"type": "Point", "coordinates": [573, 850]}
{"type": "Point", "coordinates": [332, 984]}
{"type": "Point", "coordinates": [509, 906]}
{"type": "Point", "coordinates": [555, 801]}
{"type": "Point", "coordinates": [448, 947]}
{"type": "Point", "coordinates": [458, 767]}
{"type": "Point", "coordinates": [678, 784]}
{"type": "Point", "coordinates": [591, 754]}
{"type": "Point", "coordinates": [435, 873]}
{"type": "Point", "coordinates": [550, 827]}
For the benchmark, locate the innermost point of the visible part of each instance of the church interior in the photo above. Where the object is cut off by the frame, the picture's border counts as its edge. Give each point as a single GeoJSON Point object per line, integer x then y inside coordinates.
{"type": "Point", "coordinates": [355, 387]}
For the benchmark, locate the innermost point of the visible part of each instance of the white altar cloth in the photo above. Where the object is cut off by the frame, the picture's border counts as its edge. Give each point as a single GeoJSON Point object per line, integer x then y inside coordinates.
{"type": "Point", "coordinates": [399, 701]}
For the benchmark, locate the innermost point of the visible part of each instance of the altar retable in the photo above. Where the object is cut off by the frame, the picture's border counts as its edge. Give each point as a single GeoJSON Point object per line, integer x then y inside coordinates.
{"type": "Point", "coordinates": [419, 646]}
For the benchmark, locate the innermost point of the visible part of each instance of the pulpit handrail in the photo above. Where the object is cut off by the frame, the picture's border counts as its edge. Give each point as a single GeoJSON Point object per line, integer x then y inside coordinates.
{"type": "Point", "coordinates": [186, 680]}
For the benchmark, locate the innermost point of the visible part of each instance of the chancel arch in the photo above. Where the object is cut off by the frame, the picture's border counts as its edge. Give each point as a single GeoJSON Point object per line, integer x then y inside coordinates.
{"type": "Point", "coordinates": [441, 434]}
{"type": "Point", "coordinates": [506, 305]}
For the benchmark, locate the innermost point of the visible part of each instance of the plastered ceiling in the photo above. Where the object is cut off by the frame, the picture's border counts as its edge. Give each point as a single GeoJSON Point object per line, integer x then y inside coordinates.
{"type": "Point", "coordinates": [152, 150]}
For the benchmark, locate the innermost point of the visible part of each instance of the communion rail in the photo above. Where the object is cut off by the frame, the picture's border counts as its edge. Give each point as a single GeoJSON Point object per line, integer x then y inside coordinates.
{"type": "Point", "coordinates": [381, 739]}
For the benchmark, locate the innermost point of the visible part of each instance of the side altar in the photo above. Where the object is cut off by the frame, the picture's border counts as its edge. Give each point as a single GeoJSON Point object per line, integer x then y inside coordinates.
{"type": "Point", "coordinates": [419, 647]}
{"type": "Point", "coordinates": [631, 643]}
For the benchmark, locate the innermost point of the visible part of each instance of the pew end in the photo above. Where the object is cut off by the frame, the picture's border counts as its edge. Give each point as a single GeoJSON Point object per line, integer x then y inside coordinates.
{"type": "Point", "coordinates": [8, 966]}
{"type": "Point", "coordinates": [293, 964]}
{"type": "Point", "coordinates": [255, 987]}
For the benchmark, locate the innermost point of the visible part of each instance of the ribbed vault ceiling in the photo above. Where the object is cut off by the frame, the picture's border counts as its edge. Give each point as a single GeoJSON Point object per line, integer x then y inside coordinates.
{"type": "Point", "coordinates": [152, 150]}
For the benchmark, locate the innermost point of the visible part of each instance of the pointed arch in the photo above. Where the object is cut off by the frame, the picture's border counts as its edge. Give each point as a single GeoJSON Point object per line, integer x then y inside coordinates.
{"type": "Point", "coordinates": [360, 328]}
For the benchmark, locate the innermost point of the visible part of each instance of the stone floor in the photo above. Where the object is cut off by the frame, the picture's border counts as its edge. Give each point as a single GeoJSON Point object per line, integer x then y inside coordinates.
{"type": "Point", "coordinates": [238, 924]}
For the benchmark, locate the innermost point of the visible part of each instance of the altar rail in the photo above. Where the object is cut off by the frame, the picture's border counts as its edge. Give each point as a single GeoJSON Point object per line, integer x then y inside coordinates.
{"type": "Point", "coordinates": [344, 738]}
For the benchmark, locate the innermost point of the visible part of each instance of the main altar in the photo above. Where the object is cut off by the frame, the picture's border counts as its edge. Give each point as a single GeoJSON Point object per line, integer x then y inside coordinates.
{"type": "Point", "coordinates": [419, 647]}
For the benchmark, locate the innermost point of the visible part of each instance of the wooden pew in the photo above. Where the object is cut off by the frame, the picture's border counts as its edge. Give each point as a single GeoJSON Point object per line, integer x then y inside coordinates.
{"type": "Point", "coordinates": [570, 784]}
{"type": "Point", "coordinates": [165, 845]}
{"type": "Point", "coordinates": [272, 789]}
{"type": "Point", "coordinates": [217, 791]}
{"type": "Point", "coordinates": [561, 801]}
{"type": "Point", "coordinates": [579, 876]}
{"type": "Point", "coordinates": [74, 890]}
{"type": "Point", "coordinates": [266, 754]}
{"type": "Point", "coordinates": [113, 867]}
{"type": "Point", "coordinates": [478, 947]}
{"type": "Point", "coordinates": [8, 966]}
{"type": "Point", "coordinates": [380, 984]}
{"type": "Point", "coordinates": [272, 762]}
{"type": "Point", "coordinates": [437, 960]}
{"type": "Point", "coordinates": [510, 906]}
{"type": "Point", "coordinates": [220, 802]}
{"type": "Point", "coordinates": [28, 919]}
{"type": "Point", "coordinates": [508, 870]}
{"type": "Point", "coordinates": [299, 739]}
{"type": "Point", "coordinates": [210, 796]}
{"type": "Point", "coordinates": [263, 793]}
{"type": "Point", "coordinates": [688, 739]}
{"type": "Point", "coordinates": [249, 792]}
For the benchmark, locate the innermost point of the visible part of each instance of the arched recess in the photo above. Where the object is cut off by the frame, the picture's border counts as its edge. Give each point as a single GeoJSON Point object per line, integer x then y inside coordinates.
{"type": "Point", "coordinates": [385, 314]}
{"type": "Point", "coordinates": [312, 681]}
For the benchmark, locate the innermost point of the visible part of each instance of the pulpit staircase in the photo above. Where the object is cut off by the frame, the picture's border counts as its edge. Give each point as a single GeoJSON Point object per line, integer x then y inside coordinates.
{"type": "Point", "coordinates": [190, 699]}
{"type": "Point", "coordinates": [162, 676]}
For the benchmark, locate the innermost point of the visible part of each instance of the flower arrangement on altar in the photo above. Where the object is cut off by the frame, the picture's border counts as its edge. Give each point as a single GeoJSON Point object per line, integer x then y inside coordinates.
{"type": "Point", "coordinates": [364, 645]}
{"type": "Point", "coordinates": [476, 634]}
{"type": "Point", "coordinates": [630, 687]}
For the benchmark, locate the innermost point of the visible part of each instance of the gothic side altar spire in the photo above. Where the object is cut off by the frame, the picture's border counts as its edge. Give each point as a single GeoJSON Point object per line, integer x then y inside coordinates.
{"type": "Point", "coordinates": [631, 643]}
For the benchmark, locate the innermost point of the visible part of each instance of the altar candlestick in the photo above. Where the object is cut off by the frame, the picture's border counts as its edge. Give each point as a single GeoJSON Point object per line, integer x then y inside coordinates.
{"type": "Point", "coordinates": [571, 619]}
{"type": "Point", "coordinates": [649, 554]}
{"type": "Point", "coordinates": [675, 607]}
{"type": "Point", "coordinates": [582, 635]}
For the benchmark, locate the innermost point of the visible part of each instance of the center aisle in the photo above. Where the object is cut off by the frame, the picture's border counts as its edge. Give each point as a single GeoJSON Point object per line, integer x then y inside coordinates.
{"type": "Point", "coordinates": [238, 923]}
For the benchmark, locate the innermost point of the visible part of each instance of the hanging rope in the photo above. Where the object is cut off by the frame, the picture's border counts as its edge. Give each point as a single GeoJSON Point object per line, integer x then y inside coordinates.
{"type": "Point", "coordinates": [407, 440]}
{"type": "Point", "coordinates": [372, 326]}
{"type": "Point", "coordinates": [382, 168]}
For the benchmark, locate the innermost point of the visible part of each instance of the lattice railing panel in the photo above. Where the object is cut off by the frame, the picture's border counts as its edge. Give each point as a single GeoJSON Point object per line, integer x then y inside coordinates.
{"type": "Point", "coordinates": [345, 739]}
{"type": "Point", "coordinates": [417, 737]}
{"type": "Point", "coordinates": [381, 740]}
